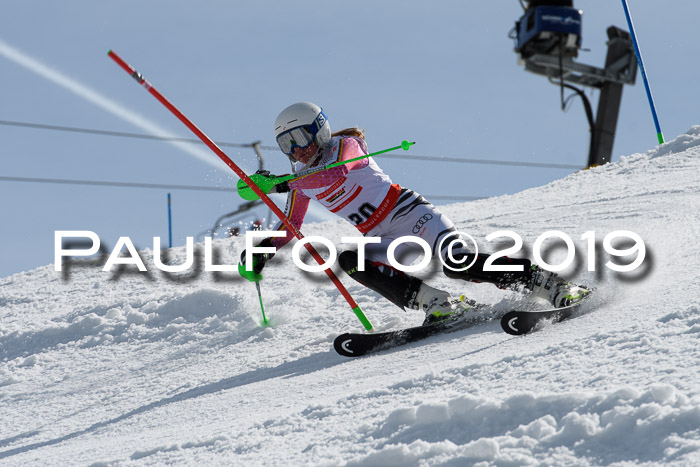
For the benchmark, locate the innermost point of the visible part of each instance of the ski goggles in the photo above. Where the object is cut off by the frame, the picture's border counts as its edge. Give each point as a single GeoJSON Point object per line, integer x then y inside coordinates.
{"type": "Point", "coordinates": [301, 136]}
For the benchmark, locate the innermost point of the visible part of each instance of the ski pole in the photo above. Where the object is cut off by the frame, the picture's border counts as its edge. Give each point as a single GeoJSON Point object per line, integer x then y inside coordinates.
{"type": "Point", "coordinates": [266, 183]}
{"type": "Point", "coordinates": [262, 308]}
{"type": "Point", "coordinates": [232, 165]}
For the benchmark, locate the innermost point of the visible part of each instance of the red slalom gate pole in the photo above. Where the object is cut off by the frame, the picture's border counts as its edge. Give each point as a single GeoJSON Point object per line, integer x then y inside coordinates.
{"type": "Point", "coordinates": [232, 165]}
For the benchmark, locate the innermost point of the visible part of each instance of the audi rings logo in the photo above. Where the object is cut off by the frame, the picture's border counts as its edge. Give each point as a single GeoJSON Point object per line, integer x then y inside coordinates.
{"type": "Point", "coordinates": [421, 222]}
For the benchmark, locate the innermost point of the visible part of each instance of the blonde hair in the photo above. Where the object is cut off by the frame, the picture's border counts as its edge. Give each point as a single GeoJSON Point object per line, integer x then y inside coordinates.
{"type": "Point", "coordinates": [355, 131]}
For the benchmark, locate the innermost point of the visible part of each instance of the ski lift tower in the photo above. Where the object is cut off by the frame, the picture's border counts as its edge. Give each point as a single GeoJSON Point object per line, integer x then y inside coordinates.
{"type": "Point", "coordinates": [548, 38]}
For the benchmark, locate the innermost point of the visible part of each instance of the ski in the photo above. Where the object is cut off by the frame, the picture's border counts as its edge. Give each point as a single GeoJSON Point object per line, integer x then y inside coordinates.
{"type": "Point", "coordinates": [358, 344]}
{"type": "Point", "coordinates": [514, 322]}
{"type": "Point", "coordinates": [518, 322]}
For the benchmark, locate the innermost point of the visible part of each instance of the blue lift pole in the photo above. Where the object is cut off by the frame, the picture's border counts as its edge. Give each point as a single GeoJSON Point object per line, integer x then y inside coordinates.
{"type": "Point", "coordinates": [170, 224]}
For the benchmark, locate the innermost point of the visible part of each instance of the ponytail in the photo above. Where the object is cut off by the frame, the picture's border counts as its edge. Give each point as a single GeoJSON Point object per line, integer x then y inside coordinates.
{"type": "Point", "coordinates": [355, 131]}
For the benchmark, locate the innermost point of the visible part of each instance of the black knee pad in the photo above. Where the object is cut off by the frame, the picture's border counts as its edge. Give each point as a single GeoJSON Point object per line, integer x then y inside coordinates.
{"type": "Point", "coordinates": [393, 285]}
{"type": "Point", "coordinates": [348, 261]}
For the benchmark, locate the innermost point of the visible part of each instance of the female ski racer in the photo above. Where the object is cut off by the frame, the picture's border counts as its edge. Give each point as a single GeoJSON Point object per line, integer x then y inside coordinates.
{"type": "Point", "coordinates": [365, 196]}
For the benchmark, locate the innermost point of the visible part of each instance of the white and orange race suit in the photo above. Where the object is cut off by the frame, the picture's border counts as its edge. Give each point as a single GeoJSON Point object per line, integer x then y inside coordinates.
{"type": "Point", "coordinates": [365, 196]}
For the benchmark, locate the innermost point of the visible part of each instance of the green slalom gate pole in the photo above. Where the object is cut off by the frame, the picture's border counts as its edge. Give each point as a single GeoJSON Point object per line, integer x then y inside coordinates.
{"type": "Point", "coordinates": [266, 183]}
{"type": "Point", "coordinates": [262, 308]}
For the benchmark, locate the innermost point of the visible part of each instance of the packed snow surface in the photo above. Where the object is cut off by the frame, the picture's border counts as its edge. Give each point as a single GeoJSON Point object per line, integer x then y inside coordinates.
{"type": "Point", "coordinates": [148, 368]}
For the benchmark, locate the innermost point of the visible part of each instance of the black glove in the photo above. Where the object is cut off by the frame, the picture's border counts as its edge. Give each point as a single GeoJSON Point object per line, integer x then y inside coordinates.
{"type": "Point", "coordinates": [282, 187]}
{"type": "Point", "coordinates": [259, 259]}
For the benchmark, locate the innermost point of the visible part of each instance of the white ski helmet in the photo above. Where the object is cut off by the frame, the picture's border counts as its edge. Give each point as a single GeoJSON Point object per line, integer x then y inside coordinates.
{"type": "Point", "coordinates": [301, 124]}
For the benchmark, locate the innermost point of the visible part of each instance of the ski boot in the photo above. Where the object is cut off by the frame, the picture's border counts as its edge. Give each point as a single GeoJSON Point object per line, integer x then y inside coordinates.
{"type": "Point", "coordinates": [547, 285]}
{"type": "Point", "coordinates": [438, 305]}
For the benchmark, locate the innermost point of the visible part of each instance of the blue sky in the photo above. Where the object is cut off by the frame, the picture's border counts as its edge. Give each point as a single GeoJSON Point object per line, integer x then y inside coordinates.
{"type": "Point", "coordinates": [442, 74]}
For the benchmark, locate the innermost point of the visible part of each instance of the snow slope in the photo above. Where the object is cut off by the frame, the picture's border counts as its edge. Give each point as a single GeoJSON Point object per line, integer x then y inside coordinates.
{"type": "Point", "coordinates": [139, 369]}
